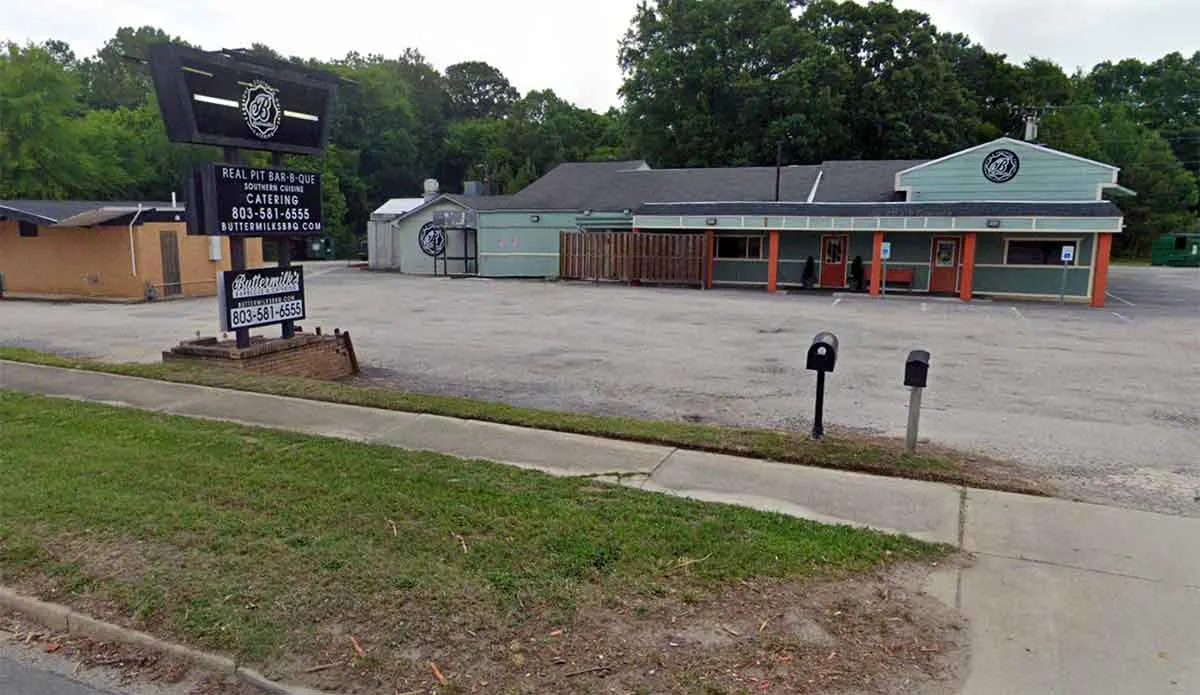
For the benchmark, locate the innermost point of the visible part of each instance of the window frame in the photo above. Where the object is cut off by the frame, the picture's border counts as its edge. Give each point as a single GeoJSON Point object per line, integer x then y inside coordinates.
{"type": "Point", "coordinates": [1077, 242]}
{"type": "Point", "coordinates": [27, 230]}
{"type": "Point", "coordinates": [762, 247]}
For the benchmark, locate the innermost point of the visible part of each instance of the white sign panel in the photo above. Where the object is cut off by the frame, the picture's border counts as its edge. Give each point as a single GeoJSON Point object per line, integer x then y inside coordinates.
{"type": "Point", "coordinates": [885, 251]}
{"type": "Point", "coordinates": [1068, 254]}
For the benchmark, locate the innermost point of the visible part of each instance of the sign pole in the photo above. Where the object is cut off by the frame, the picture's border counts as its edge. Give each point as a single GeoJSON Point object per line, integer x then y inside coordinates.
{"type": "Point", "coordinates": [914, 421]}
{"type": "Point", "coordinates": [1062, 289]}
{"type": "Point", "coordinates": [237, 255]}
{"type": "Point", "coordinates": [284, 247]}
{"type": "Point", "coordinates": [818, 428]}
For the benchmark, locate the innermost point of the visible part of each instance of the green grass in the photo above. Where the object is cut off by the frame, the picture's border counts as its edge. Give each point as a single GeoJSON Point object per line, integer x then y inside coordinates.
{"type": "Point", "coordinates": [248, 540]}
{"type": "Point", "coordinates": [841, 449]}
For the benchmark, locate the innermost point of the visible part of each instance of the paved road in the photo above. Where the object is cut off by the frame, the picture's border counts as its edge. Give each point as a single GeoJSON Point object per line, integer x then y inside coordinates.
{"type": "Point", "coordinates": [1061, 597]}
{"type": "Point", "coordinates": [20, 679]}
{"type": "Point", "coordinates": [1104, 402]}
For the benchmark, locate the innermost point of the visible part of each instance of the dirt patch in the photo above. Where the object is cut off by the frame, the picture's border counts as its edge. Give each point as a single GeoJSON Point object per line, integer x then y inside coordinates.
{"type": "Point", "coordinates": [876, 633]}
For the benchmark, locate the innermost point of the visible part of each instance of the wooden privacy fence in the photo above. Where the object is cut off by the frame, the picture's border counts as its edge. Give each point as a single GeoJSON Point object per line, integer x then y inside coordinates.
{"type": "Point", "coordinates": [669, 259]}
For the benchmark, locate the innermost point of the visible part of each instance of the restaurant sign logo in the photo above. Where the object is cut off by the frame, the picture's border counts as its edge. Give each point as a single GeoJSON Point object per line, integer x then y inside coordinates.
{"type": "Point", "coordinates": [432, 239]}
{"type": "Point", "coordinates": [260, 109]}
{"type": "Point", "coordinates": [1001, 166]}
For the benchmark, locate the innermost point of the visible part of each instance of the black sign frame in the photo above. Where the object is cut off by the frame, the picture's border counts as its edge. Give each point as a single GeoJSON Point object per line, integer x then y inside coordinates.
{"type": "Point", "coordinates": [219, 205]}
{"type": "Point", "coordinates": [269, 296]}
{"type": "Point", "coordinates": [298, 102]}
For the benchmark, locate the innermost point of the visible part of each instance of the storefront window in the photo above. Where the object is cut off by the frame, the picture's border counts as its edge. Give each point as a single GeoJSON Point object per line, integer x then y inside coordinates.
{"type": "Point", "coordinates": [740, 247]}
{"type": "Point", "coordinates": [1039, 251]}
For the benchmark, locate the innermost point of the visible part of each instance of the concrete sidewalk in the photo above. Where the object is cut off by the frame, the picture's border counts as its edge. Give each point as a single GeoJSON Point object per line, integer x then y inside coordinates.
{"type": "Point", "coordinates": [1062, 597]}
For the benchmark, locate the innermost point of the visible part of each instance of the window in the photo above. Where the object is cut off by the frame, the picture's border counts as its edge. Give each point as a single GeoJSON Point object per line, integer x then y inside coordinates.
{"type": "Point", "coordinates": [1181, 243]}
{"type": "Point", "coordinates": [834, 251]}
{"type": "Point", "coordinates": [1039, 251]}
{"type": "Point", "coordinates": [27, 228]}
{"type": "Point", "coordinates": [740, 247]}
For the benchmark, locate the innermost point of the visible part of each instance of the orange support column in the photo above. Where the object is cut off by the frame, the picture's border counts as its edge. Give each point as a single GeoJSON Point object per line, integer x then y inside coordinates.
{"type": "Point", "coordinates": [967, 278]}
{"type": "Point", "coordinates": [773, 261]}
{"type": "Point", "coordinates": [877, 265]}
{"type": "Point", "coordinates": [1100, 272]}
{"type": "Point", "coordinates": [710, 253]}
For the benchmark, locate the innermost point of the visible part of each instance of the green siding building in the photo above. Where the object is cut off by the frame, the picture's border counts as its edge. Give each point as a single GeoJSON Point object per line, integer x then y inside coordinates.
{"type": "Point", "coordinates": [1006, 218]}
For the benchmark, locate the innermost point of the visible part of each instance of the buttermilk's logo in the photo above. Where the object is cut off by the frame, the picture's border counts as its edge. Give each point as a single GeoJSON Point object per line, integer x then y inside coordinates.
{"type": "Point", "coordinates": [260, 109]}
{"type": "Point", "coordinates": [245, 286]}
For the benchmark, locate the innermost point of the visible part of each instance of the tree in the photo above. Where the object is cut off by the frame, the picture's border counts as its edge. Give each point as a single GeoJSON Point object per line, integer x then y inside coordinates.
{"type": "Point", "coordinates": [375, 127]}
{"type": "Point", "coordinates": [478, 90]}
{"type": "Point", "coordinates": [903, 98]}
{"type": "Point", "coordinates": [110, 80]}
{"type": "Point", "coordinates": [1166, 191]}
{"type": "Point", "coordinates": [40, 156]}
{"type": "Point", "coordinates": [720, 82]}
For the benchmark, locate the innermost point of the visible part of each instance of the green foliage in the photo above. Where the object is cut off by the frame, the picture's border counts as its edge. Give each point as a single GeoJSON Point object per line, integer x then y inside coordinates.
{"type": "Point", "coordinates": [354, 533]}
{"type": "Point", "coordinates": [1167, 192]}
{"type": "Point", "coordinates": [478, 90]}
{"type": "Point", "coordinates": [707, 83]}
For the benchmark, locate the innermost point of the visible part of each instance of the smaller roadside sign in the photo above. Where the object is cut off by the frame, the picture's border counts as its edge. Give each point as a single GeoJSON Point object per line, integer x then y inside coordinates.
{"type": "Point", "coordinates": [885, 251]}
{"type": "Point", "coordinates": [1196, 249]}
{"type": "Point", "coordinates": [260, 297]}
{"type": "Point", "coordinates": [1068, 254]}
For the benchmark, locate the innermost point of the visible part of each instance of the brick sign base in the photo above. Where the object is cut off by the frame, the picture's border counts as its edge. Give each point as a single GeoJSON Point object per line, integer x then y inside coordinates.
{"type": "Point", "coordinates": [306, 355]}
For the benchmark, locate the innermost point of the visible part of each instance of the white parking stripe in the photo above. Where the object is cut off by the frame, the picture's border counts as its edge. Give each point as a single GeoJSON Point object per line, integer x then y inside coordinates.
{"type": "Point", "coordinates": [1121, 317]}
{"type": "Point", "coordinates": [837, 301]}
{"type": "Point", "coordinates": [1018, 313]}
{"type": "Point", "coordinates": [1119, 299]}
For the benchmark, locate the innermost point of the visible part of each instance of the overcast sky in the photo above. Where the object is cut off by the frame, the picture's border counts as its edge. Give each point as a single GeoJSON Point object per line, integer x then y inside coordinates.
{"type": "Point", "coordinates": [570, 46]}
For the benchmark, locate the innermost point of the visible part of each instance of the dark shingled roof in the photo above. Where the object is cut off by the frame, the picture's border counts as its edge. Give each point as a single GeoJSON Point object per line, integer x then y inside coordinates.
{"type": "Point", "coordinates": [479, 202]}
{"type": "Point", "coordinates": [846, 181]}
{"type": "Point", "coordinates": [971, 209]}
{"type": "Point", "coordinates": [52, 212]}
{"type": "Point", "coordinates": [614, 186]}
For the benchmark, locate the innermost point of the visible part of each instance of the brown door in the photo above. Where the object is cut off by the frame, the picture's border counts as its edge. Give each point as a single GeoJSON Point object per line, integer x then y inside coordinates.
{"type": "Point", "coordinates": [833, 260]}
{"type": "Point", "coordinates": [169, 241]}
{"type": "Point", "coordinates": [943, 267]}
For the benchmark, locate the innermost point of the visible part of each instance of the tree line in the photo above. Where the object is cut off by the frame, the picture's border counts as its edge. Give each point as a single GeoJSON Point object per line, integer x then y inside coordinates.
{"type": "Point", "coordinates": [706, 83]}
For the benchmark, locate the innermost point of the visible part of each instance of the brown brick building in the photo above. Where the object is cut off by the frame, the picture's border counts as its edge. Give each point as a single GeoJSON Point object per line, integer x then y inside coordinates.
{"type": "Point", "coordinates": [112, 250]}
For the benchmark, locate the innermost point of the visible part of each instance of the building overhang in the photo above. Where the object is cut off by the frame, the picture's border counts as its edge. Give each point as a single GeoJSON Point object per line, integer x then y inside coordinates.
{"type": "Point", "coordinates": [989, 217]}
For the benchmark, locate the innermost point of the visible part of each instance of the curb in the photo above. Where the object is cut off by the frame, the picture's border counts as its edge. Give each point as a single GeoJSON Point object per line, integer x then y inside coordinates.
{"type": "Point", "coordinates": [63, 619]}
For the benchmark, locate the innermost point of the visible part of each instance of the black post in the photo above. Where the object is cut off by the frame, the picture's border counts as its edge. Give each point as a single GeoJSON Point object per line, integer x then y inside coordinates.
{"type": "Point", "coordinates": [284, 247]}
{"type": "Point", "coordinates": [237, 254]}
{"type": "Point", "coordinates": [819, 419]}
{"type": "Point", "coordinates": [778, 166]}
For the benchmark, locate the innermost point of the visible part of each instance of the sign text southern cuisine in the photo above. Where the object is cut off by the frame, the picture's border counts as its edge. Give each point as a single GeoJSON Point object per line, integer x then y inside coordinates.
{"type": "Point", "coordinates": [260, 297]}
{"type": "Point", "coordinates": [248, 201]}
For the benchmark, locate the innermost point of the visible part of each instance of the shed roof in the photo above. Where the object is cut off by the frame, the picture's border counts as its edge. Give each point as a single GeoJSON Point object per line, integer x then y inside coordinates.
{"type": "Point", "coordinates": [397, 206]}
{"type": "Point", "coordinates": [86, 213]}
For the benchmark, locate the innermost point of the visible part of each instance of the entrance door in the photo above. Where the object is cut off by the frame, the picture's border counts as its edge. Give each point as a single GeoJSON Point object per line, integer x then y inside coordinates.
{"type": "Point", "coordinates": [943, 267]}
{"type": "Point", "coordinates": [833, 260]}
{"type": "Point", "coordinates": [169, 242]}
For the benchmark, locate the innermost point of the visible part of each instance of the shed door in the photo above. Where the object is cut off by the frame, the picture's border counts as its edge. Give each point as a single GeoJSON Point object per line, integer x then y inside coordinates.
{"type": "Point", "coordinates": [169, 242]}
{"type": "Point", "coordinates": [943, 267]}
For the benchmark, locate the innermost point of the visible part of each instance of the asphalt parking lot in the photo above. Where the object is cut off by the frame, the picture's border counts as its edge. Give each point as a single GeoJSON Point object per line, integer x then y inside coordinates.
{"type": "Point", "coordinates": [1105, 402]}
